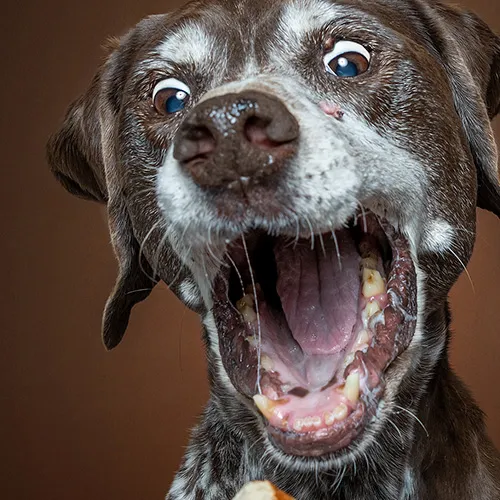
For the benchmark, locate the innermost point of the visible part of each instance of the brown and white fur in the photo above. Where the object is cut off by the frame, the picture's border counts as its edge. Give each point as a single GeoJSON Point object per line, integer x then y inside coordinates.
{"type": "Point", "coordinates": [413, 144]}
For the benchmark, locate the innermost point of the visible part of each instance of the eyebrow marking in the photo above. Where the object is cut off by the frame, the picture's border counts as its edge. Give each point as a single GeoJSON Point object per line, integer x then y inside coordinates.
{"type": "Point", "coordinates": [303, 16]}
{"type": "Point", "coordinates": [189, 44]}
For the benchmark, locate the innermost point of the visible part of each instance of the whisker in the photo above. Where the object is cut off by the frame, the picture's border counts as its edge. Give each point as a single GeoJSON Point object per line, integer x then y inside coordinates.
{"type": "Point", "coordinates": [337, 249]}
{"type": "Point", "coordinates": [259, 329]}
{"type": "Point", "coordinates": [156, 258]}
{"type": "Point", "coordinates": [312, 232]}
{"type": "Point", "coordinates": [363, 214]}
{"type": "Point", "coordinates": [169, 285]}
{"type": "Point", "coordinates": [240, 280]}
{"type": "Point", "coordinates": [141, 251]}
{"type": "Point", "coordinates": [322, 244]}
{"type": "Point", "coordinates": [414, 416]}
{"type": "Point", "coordinates": [465, 269]}
{"type": "Point", "coordinates": [398, 431]}
{"type": "Point", "coordinates": [138, 291]}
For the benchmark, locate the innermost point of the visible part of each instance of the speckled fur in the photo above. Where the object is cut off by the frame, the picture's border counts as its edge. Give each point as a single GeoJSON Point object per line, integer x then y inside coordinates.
{"type": "Point", "coordinates": [414, 144]}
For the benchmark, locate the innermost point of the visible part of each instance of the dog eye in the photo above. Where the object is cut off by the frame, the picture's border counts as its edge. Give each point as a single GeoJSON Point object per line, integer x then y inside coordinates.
{"type": "Point", "coordinates": [347, 59]}
{"type": "Point", "coordinates": [170, 96]}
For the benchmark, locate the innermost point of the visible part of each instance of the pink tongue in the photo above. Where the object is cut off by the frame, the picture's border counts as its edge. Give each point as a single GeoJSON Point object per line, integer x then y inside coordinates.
{"type": "Point", "coordinates": [320, 301]}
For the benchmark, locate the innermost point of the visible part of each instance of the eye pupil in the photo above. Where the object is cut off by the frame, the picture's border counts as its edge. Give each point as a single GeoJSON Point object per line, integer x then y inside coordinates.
{"type": "Point", "coordinates": [346, 68]}
{"type": "Point", "coordinates": [176, 102]}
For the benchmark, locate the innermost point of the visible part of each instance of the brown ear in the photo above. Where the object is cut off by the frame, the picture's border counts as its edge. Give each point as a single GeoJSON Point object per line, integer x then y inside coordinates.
{"type": "Point", "coordinates": [135, 276]}
{"type": "Point", "coordinates": [74, 153]}
{"type": "Point", "coordinates": [471, 56]}
{"type": "Point", "coordinates": [80, 156]}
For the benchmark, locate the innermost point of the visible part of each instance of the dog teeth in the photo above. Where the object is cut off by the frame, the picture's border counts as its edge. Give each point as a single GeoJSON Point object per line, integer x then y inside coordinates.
{"type": "Point", "coordinates": [252, 340]}
{"type": "Point", "coordinates": [351, 387]}
{"type": "Point", "coordinates": [267, 363]}
{"type": "Point", "coordinates": [307, 422]}
{"type": "Point", "coordinates": [245, 307]}
{"type": "Point", "coordinates": [373, 283]}
{"type": "Point", "coordinates": [246, 300]}
{"type": "Point", "coordinates": [339, 413]}
{"type": "Point", "coordinates": [363, 340]}
{"type": "Point", "coordinates": [265, 405]}
{"type": "Point", "coordinates": [372, 308]}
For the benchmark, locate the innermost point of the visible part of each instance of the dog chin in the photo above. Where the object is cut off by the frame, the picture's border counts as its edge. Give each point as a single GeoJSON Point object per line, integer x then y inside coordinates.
{"type": "Point", "coordinates": [308, 330]}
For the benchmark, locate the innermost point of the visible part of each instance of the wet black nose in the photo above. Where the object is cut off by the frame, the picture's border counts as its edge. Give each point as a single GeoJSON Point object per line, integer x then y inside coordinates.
{"type": "Point", "coordinates": [236, 139]}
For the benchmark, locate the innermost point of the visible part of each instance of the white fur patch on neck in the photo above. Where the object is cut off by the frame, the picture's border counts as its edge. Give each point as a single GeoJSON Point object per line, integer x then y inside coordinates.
{"type": "Point", "coordinates": [439, 236]}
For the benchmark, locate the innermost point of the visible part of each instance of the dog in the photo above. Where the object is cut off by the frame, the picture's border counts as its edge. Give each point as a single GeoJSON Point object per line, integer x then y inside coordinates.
{"type": "Point", "coordinates": [305, 175]}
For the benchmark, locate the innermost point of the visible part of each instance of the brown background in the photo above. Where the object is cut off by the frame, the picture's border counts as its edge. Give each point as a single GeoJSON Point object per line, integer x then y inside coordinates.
{"type": "Point", "coordinates": [77, 422]}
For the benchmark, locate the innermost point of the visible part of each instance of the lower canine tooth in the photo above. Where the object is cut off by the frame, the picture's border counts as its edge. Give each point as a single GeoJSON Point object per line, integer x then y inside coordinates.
{"type": "Point", "coordinates": [264, 404]}
{"type": "Point", "coordinates": [351, 387]}
{"type": "Point", "coordinates": [373, 284]}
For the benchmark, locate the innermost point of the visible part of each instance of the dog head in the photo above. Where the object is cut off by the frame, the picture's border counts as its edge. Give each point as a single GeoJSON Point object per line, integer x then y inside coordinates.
{"type": "Point", "coordinates": [304, 174]}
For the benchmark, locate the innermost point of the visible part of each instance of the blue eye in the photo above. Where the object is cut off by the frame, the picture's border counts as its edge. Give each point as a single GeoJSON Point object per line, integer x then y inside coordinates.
{"type": "Point", "coordinates": [347, 59]}
{"type": "Point", "coordinates": [170, 96]}
{"type": "Point", "coordinates": [346, 68]}
{"type": "Point", "coordinates": [176, 101]}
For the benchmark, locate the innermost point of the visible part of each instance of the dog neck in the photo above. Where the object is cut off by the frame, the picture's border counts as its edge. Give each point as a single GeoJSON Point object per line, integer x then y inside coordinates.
{"type": "Point", "coordinates": [410, 459]}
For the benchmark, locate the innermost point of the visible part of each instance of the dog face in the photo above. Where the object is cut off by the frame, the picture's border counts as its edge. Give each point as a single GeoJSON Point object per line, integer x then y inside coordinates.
{"type": "Point", "coordinates": [304, 174]}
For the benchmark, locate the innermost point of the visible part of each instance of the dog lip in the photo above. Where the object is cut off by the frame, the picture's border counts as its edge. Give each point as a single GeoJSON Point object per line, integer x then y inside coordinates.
{"type": "Point", "coordinates": [324, 441]}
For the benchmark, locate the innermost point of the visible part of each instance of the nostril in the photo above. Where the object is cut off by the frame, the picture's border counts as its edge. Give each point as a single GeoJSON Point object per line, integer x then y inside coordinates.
{"type": "Point", "coordinates": [270, 133]}
{"type": "Point", "coordinates": [256, 133]}
{"type": "Point", "coordinates": [194, 143]}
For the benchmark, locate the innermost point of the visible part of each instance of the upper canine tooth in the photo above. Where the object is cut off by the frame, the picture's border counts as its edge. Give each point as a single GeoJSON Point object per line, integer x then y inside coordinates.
{"type": "Point", "coordinates": [248, 314]}
{"type": "Point", "coordinates": [373, 283]}
{"type": "Point", "coordinates": [246, 300]}
{"type": "Point", "coordinates": [351, 387]}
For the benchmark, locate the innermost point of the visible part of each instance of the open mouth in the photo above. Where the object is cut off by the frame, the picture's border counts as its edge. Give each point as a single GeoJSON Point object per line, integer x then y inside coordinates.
{"type": "Point", "coordinates": [308, 330]}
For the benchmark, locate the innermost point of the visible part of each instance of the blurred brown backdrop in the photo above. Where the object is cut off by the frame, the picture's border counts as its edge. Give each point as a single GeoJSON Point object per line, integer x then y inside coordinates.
{"type": "Point", "coordinates": [77, 422]}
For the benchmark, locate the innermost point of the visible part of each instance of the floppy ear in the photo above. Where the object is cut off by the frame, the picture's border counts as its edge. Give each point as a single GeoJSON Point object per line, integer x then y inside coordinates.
{"type": "Point", "coordinates": [471, 56]}
{"type": "Point", "coordinates": [80, 156]}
